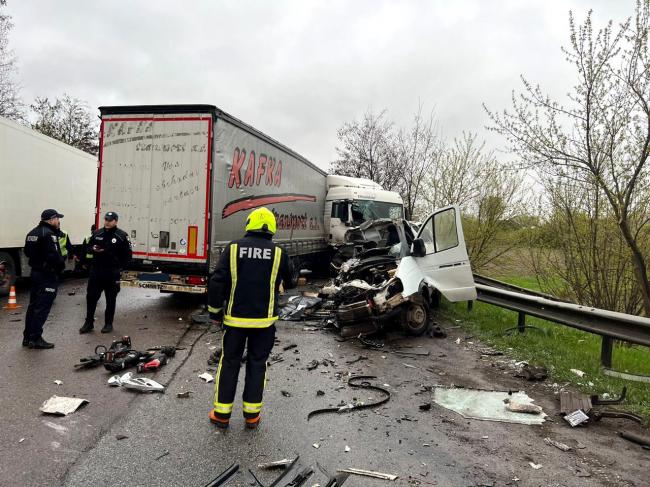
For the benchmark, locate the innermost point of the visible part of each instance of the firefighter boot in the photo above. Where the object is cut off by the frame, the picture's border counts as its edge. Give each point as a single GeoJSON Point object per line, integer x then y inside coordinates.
{"type": "Point", "coordinates": [222, 423]}
{"type": "Point", "coordinates": [253, 423]}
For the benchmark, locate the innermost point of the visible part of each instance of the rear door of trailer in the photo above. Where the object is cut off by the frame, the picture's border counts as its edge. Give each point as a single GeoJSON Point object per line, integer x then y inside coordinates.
{"type": "Point", "coordinates": [155, 171]}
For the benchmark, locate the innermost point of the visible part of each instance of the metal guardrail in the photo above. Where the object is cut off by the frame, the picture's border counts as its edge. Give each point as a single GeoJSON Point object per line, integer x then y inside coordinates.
{"type": "Point", "coordinates": [609, 325]}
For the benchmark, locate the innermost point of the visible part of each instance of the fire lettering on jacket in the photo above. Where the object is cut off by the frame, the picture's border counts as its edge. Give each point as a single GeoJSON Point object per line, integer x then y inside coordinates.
{"type": "Point", "coordinates": [262, 170]}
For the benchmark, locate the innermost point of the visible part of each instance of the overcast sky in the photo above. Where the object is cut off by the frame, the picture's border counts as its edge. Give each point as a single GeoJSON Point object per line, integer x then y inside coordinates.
{"type": "Point", "coordinates": [298, 69]}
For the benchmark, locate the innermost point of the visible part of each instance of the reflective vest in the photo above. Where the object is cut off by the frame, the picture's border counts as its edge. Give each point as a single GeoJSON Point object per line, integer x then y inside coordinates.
{"type": "Point", "coordinates": [89, 254]}
{"type": "Point", "coordinates": [63, 244]}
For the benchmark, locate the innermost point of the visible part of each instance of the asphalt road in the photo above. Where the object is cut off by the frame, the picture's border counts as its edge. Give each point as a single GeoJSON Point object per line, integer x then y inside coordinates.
{"type": "Point", "coordinates": [170, 442]}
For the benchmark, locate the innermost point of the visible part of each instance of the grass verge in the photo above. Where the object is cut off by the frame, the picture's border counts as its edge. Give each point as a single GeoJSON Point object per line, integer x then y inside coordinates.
{"type": "Point", "coordinates": [559, 348]}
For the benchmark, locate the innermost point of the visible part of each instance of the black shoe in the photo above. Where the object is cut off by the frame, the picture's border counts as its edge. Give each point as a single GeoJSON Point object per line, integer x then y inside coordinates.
{"type": "Point", "coordinates": [107, 328]}
{"type": "Point", "coordinates": [40, 343]}
{"type": "Point", "coordinates": [86, 328]}
{"type": "Point", "coordinates": [25, 342]}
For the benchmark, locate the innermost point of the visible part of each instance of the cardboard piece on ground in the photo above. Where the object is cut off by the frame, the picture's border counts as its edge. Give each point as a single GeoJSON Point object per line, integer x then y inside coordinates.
{"type": "Point", "coordinates": [486, 405]}
{"type": "Point", "coordinates": [62, 406]}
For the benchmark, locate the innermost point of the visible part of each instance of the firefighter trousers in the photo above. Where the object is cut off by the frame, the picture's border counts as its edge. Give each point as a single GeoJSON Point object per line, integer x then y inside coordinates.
{"type": "Point", "coordinates": [260, 343]}
{"type": "Point", "coordinates": [44, 286]}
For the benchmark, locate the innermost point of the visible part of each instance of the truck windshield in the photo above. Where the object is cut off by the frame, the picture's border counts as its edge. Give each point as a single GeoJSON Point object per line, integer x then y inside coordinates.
{"type": "Point", "coordinates": [364, 210]}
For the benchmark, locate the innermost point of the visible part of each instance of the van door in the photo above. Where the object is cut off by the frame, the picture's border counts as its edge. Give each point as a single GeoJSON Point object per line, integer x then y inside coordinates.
{"type": "Point", "coordinates": [445, 266]}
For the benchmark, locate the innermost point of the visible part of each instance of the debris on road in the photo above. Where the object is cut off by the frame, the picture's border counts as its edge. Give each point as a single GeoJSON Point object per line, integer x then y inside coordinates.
{"type": "Point", "coordinates": [142, 384]}
{"type": "Point", "coordinates": [532, 373]}
{"type": "Point", "coordinates": [347, 449]}
{"type": "Point", "coordinates": [120, 437]}
{"type": "Point", "coordinates": [284, 463]}
{"type": "Point", "coordinates": [62, 406]}
{"type": "Point", "coordinates": [21, 440]}
{"type": "Point", "coordinates": [576, 418]}
{"type": "Point", "coordinates": [368, 473]}
{"type": "Point", "coordinates": [58, 382]}
{"type": "Point", "coordinates": [223, 477]}
{"type": "Point", "coordinates": [486, 405]}
{"type": "Point", "coordinates": [285, 393]}
{"type": "Point", "coordinates": [557, 444]}
{"type": "Point", "coordinates": [578, 372]}
{"type": "Point", "coordinates": [206, 377]}
{"type": "Point", "coordinates": [574, 401]}
{"type": "Point", "coordinates": [517, 407]}
{"type": "Point", "coordinates": [644, 441]}
{"type": "Point", "coordinates": [360, 382]}
{"type": "Point", "coordinates": [425, 407]}
{"type": "Point", "coordinates": [316, 445]}
{"type": "Point", "coordinates": [184, 394]}
{"type": "Point", "coordinates": [299, 308]}
{"type": "Point", "coordinates": [536, 466]}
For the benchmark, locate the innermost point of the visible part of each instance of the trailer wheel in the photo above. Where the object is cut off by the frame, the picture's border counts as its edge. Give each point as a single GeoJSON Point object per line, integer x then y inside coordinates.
{"type": "Point", "coordinates": [415, 318]}
{"type": "Point", "coordinates": [7, 273]}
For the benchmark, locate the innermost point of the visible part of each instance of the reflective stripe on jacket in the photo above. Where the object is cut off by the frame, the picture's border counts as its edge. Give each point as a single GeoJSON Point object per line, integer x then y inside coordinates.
{"type": "Point", "coordinates": [246, 282]}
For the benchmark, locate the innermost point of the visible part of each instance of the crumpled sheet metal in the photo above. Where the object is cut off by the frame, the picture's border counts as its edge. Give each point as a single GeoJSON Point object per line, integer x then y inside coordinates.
{"type": "Point", "coordinates": [486, 405]}
{"type": "Point", "coordinates": [62, 406]}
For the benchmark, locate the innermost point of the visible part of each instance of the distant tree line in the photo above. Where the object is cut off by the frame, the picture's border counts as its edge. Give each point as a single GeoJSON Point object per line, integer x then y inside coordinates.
{"type": "Point", "coordinates": [65, 118]}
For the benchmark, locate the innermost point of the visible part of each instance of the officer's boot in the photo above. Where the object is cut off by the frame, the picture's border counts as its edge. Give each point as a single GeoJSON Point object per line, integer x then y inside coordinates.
{"type": "Point", "coordinates": [108, 327]}
{"type": "Point", "coordinates": [88, 326]}
{"type": "Point", "coordinates": [40, 343]}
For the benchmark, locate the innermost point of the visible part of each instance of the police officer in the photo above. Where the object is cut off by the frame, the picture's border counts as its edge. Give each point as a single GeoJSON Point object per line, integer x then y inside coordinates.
{"type": "Point", "coordinates": [244, 291]}
{"type": "Point", "coordinates": [45, 259]}
{"type": "Point", "coordinates": [111, 252]}
{"type": "Point", "coordinates": [86, 249]}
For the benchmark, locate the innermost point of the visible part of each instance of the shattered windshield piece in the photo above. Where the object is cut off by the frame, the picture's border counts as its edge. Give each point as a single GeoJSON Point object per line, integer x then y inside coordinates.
{"type": "Point", "coordinates": [364, 210]}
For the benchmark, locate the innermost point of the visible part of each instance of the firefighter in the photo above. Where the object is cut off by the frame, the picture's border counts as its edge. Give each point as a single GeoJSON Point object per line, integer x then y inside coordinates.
{"type": "Point", "coordinates": [243, 291]}
{"type": "Point", "coordinates": [111, 251]}
{"type": "Point", "coordinates": [46, 261]}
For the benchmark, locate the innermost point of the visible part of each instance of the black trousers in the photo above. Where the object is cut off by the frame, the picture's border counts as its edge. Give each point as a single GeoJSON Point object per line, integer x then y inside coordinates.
{"type": "Point", "coordinates": [260, 343]}
{"type": "Point", "coordinates": [44, 286]}
{"type": "Point", "coordinates": [109, 284]}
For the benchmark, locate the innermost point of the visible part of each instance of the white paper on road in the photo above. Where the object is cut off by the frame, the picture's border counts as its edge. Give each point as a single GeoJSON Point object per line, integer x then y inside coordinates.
{"type": "Point", "coordinates": [62, 405]}
{"type": "Point", "coordinates": [486, 405]}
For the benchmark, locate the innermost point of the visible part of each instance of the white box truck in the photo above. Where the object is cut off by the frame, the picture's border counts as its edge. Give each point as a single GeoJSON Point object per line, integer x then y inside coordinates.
{"type": "Point", "coordinates": [183, 178]}
{"type": "Point", "coordinates": [38, 172]}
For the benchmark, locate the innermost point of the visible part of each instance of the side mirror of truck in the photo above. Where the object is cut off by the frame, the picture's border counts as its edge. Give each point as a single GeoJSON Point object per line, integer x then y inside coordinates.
{"type": "Point", "coordinates": [418, 248]}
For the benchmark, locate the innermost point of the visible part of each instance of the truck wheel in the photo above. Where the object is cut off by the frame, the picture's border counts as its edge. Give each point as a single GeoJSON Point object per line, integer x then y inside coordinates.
{"type": "Point", "coordinates": [7, 273]}
{"type": "Point", "coordinates": [415, 318]}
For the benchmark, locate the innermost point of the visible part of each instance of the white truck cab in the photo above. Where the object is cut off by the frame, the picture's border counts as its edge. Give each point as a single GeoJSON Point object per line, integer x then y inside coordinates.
{"type": "Point", "coordinates": [353, 201]}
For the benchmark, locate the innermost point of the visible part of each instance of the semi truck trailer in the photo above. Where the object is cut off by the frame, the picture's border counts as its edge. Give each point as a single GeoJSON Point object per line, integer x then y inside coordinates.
{"type": "Point", "coordinates": [39, 172]}
{"type": "Point", "coordinates": [183, 179]}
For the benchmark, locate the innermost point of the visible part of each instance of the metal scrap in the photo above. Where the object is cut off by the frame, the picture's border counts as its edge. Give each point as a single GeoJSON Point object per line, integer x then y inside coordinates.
{"type": "Point", "coordinates": [557, 444]}
{"type": "Point", "coordinates": [224, 477]}
{"type": "Point", "coordinates": [360, 382]}
{"type": "Point", "coordinates": [644, 441]}
{"type": "Point", "coordinates": [277, 464]}
{"type": "Point", "coordinates": [369, 473]}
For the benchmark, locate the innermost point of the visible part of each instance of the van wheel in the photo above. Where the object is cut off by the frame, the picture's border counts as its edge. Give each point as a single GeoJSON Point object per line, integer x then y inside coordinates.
{"type": "Point", "coordinates": [7, 273]}
{"type": "Point", "coordinates": [415, 318]}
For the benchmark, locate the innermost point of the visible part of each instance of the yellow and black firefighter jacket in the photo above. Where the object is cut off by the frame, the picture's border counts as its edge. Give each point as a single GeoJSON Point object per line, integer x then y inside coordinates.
{"type": "Point", "coordinates": [246, 282]}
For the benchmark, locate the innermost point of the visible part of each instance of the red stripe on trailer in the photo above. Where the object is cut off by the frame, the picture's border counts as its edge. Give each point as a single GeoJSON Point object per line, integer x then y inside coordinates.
{"type": "Point", "coordinates": [257, 201]}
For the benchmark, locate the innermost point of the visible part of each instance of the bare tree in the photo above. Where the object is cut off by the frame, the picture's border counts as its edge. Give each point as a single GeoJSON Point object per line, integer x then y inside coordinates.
{"type": "Point", "coordinates": [417, 150]}
{"type": "Point", "coordinates": [602, 134]}
{"type": "Point", "coordinates": [67, 119]}
{"type": "Point", "coordinates": [367, 150]}
{"type": "Point", "coordinates": [11, 105]}
{"type": "Point", "coordinates": [490, 196]}
{"type": "Point", "coordinates": [567, 249]}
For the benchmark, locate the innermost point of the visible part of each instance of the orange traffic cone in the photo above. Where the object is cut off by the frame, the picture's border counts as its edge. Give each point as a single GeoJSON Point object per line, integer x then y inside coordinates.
{"type": "Point", "coordinates": [12, 304]}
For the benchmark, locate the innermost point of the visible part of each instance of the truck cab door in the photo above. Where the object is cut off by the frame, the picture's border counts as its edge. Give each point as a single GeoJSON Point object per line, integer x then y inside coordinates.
{"type": "Point", "coordinates": [444, 263]}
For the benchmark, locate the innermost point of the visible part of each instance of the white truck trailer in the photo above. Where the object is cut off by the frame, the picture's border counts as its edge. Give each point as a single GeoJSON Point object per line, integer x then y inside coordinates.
{"type": "Point", "coordinates": [38, 172]}
{"type": "Point", "coordinates": [184, 177]}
